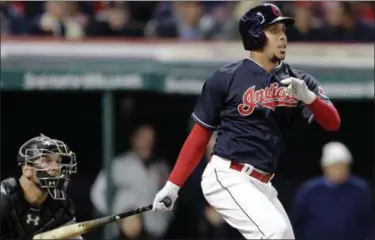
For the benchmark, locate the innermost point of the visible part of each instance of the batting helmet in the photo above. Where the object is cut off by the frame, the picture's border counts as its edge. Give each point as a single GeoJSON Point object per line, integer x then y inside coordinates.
{"type": "Point", "coordinates": [255, 20]}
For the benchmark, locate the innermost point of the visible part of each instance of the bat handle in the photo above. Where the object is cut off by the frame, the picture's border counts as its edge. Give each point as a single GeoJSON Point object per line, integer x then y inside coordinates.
{"type": "Point", "coordinates": [167, 201]}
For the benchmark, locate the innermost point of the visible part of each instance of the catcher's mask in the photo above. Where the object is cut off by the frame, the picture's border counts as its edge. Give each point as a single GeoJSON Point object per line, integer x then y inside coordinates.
{"type": "Point", "coordinates": [48, 156]}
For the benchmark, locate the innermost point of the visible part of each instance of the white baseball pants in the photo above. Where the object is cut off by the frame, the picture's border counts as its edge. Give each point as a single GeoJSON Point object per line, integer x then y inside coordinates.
{"type": "Point", "coordinates": [244, 202]}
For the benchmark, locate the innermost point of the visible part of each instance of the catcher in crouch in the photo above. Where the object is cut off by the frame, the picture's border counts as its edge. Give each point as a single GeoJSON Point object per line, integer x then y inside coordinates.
{"type": "Point", "coordinates": [37, 201]}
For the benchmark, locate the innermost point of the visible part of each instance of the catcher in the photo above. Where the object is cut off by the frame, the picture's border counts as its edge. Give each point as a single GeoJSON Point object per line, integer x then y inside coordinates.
{"type": "Point", "coordinates": [37, 201]}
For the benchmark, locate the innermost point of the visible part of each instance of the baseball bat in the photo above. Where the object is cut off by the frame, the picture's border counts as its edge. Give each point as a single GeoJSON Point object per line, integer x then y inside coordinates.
{"type": "Point", "coordinates": [76, 229]}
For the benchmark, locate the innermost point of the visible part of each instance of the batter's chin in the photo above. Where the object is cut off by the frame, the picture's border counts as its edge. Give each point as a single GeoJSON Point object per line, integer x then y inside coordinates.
{"type": "Point", "coordinates": [281, 55]}
{"type": "Point", "coordinates": [277, 58]}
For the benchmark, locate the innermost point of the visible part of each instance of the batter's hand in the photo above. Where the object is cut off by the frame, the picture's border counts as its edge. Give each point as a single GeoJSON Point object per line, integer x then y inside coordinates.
{"type": "Point", "coordinates": [169, 190]}
{"type": "Point", "coordinates": [297, 88]}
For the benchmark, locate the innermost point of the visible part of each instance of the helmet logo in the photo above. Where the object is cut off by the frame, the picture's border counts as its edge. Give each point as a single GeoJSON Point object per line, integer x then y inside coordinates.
{"type": "Point", "coordinates": [262, 17]}
{"type": "Point", "coordinates": [276, 10]}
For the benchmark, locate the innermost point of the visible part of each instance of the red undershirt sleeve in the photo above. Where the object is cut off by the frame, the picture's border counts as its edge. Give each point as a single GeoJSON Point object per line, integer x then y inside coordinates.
{"type": "Point", "coordinates": [325, 114]}
{"type": "Point", "coordinates": [190, 154]}
{"type": "Point", "coordinates": [321, 109]}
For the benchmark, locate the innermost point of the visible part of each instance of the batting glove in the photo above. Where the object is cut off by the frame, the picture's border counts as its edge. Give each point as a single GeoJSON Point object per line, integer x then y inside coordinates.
{"type": "Point", "coordinates": [169, 190]}
{"type": "Point", "coordinates": [297, 88]}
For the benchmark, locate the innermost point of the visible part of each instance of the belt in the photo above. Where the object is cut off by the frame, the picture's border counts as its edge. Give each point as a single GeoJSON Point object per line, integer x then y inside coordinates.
{"type": "Point", "coordinates": [252, 172]}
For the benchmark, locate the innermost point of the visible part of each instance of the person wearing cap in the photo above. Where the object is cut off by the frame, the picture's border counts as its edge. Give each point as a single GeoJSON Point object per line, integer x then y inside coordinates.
{"type": "Point", "coordinates": [336, 205]}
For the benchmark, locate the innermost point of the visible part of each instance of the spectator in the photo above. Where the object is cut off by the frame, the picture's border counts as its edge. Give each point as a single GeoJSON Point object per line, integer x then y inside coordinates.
{"type": "Point", "coordinates": [344, 21]}
{"type": "Point", "coordinates": [75, 21]}
{"type": "Point", "coordinates": [219, 22]}
{"type": "Point", "coordinates": [115, 21]}
{"type": "Point", "coordinates": [343, 25]}
{"type": "Point", "coordinates": [12, 19]}
{"type": "Point", "coordinates": [305, 27]}
{"type": "Point", "coordinates": [335, 206]}
{"type": "Point", "coordinates": [183, 24]}
{"type": "Point", "coordinates": [61, 19]}
{"type": "Point", "coordinates": [162, 10]}
{"type": "Point", "coordinates": [137, 176]}
{"type": "Point", "coordinates": [365, 11]}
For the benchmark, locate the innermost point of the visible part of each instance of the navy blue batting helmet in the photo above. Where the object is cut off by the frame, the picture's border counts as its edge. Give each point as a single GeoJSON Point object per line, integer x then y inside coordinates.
{"type": "Point", "coordinates": [255, 20]}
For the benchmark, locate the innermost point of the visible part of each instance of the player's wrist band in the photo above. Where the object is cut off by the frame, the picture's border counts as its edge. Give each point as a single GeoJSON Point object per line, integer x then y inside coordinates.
{"type": "Point", "coordinates": [172, 186]}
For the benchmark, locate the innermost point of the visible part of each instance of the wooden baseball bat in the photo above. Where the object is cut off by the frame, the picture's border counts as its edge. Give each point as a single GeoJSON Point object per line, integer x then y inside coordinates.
{"type": "Point", "coordinates": [76, 229]}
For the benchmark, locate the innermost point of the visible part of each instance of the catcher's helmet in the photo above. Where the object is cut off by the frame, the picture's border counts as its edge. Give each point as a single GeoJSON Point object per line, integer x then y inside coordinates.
{"type": "Point", "coordinates": [255, 20]}
{"type": "Point", "coordinates": [43, 146]}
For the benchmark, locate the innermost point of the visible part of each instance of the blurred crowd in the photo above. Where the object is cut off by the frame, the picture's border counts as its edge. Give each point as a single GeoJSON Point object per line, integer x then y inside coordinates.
{"type": "Point", "coordinates": [212, 20]}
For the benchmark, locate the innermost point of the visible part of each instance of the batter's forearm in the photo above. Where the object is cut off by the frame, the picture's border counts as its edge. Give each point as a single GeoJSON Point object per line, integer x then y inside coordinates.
{"type": "Point", "coordinates": [325, 114]}
{"type": "Point", "coordinates": [190, 155]}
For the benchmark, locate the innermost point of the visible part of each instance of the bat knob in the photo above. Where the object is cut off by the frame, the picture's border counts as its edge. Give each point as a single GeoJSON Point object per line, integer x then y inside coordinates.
{"type": "Point", "coordinates": [167, 201]}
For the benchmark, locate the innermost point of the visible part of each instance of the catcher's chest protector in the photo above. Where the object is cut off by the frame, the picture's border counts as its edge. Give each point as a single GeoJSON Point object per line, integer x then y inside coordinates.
{"type": "Point", "coordinates": [22, 221]}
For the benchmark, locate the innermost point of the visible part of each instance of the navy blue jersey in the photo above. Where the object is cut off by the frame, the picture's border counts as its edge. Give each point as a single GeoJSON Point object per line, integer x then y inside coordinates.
{"type": "Point", "coordinates": [251, 112]}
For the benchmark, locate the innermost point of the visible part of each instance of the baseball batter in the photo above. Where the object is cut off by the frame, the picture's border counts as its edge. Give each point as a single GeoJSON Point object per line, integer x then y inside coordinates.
{"type": "Point", "coordinates": [252, 104]}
